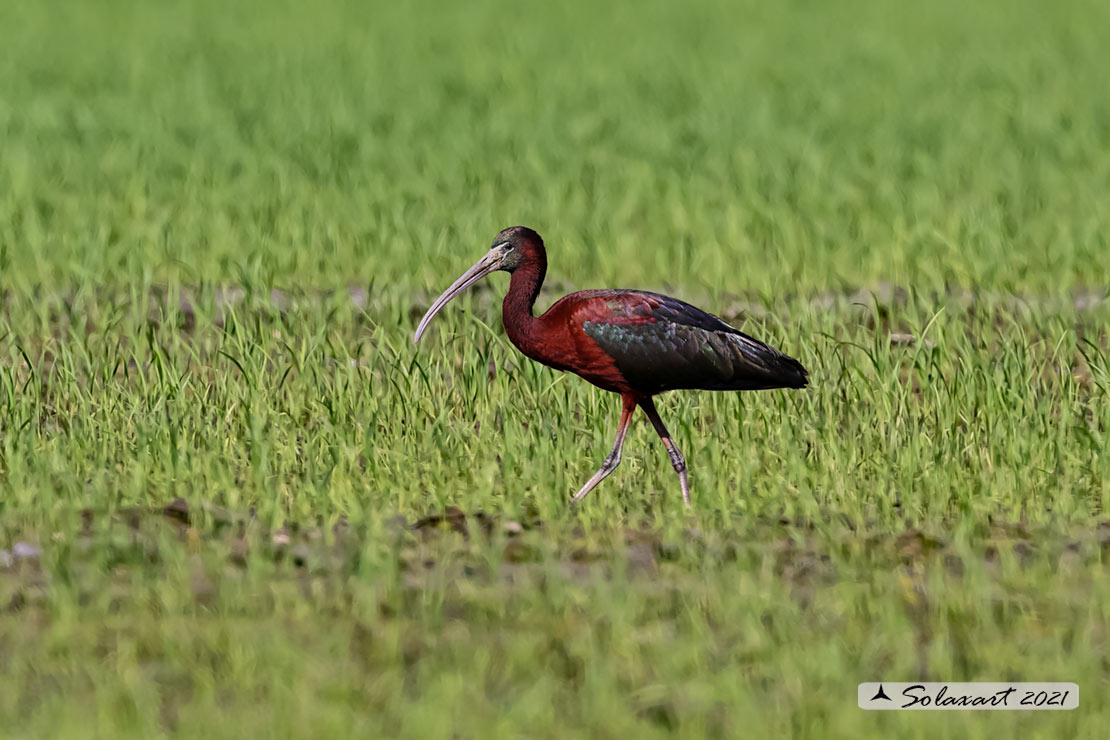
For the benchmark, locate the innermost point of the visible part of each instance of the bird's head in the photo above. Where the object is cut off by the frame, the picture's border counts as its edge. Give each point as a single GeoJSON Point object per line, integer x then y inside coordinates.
{"type": "Point", "coordinates": [511, 248]}
{"type": "Point", "coordinates": [516, 244]}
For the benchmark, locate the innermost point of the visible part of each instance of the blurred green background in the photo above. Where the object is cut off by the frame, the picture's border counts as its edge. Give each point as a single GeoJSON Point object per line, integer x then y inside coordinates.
{"type": "Point", "coordinates": [732, 146]}
{"type": "Point", "coordinates": [219, 223]}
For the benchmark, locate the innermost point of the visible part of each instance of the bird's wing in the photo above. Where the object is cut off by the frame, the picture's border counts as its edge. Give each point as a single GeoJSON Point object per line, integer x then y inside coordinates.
{"type": "Point", "coordinates": [660, 343]}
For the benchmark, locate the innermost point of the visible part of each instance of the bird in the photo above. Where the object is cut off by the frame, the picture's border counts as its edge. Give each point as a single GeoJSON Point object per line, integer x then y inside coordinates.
{"type": "Point", "coordinates": [631, 342]}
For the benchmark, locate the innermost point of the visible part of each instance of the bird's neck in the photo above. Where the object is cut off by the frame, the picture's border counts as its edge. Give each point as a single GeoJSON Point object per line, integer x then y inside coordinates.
{"type": "Point", "coordinates": [516, 309]}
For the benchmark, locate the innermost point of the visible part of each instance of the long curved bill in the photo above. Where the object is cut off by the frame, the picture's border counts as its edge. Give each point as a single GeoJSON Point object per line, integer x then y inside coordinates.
{"type": "Point", "coordinates": [489, 263]}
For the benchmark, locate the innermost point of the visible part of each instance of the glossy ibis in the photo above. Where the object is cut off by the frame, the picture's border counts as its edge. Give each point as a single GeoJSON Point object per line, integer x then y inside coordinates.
{"type": "Point", "coordinates": [631, 342]}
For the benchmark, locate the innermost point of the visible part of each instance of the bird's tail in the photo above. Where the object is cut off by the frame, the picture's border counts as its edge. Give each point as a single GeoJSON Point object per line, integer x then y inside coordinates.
{"type": "Point", "coordinates": [764, 367]}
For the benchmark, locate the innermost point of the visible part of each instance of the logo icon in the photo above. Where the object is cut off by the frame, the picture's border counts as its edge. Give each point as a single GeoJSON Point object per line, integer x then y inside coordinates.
{"type": "Point", "coordinates": [880, 694]}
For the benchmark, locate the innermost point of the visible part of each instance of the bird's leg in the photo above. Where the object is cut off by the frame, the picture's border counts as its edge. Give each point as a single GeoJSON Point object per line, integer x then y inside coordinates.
{"type": "Point", "coordinates": [678, 462]}
{"type": "Point", "coordinates": [628, 405]}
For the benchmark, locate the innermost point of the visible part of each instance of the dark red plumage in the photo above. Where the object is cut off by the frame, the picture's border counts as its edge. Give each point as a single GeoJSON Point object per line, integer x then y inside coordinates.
{"type": "Point", "coordinates": [631, 342]}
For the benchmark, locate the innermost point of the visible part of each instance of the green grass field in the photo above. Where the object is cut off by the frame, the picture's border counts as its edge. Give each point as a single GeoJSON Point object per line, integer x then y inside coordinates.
{"type": "Point", "coordinates": [219, 223]}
